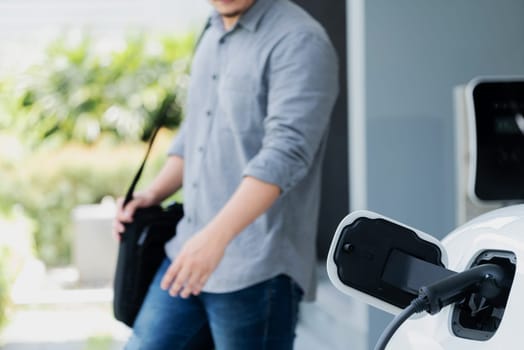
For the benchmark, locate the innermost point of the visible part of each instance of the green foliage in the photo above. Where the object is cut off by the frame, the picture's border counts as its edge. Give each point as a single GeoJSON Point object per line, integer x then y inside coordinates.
{"type": "Point", "coordinates": [81, 92]}
{"type": "Point", "coordinates": [4, 285]}
{"type": "Point", "coordinates": [15, 251]}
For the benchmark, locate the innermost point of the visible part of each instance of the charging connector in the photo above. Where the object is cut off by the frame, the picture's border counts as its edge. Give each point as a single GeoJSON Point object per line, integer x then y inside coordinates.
{"type": "Point", "coordinates": [485, 280]}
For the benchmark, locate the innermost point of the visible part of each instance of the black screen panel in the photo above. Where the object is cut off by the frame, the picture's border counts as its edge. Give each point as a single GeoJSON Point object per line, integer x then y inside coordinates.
{"type": "Point", "coordinates": [499, 123]}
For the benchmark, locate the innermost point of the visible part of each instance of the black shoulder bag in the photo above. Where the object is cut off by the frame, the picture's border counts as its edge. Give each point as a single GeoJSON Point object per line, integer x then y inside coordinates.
{"type": "Point", "coordinates": [141, 250]}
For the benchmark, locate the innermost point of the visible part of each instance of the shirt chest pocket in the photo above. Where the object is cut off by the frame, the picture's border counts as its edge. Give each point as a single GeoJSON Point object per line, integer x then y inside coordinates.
{"type": "Point", "coordinates": [237, 104]}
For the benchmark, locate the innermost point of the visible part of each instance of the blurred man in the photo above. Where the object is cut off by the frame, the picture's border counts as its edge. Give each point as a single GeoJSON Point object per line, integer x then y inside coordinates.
{"type": "Point", "coordinates": [249, 156]}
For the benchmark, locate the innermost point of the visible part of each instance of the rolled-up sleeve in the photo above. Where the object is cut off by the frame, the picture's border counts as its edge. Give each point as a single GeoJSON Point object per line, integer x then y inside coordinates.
{"type": "Point", "coordinates": [302, 88]}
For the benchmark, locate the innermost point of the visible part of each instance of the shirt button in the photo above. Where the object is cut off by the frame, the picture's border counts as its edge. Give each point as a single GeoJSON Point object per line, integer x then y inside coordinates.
{"type": "Point", "coordinates": [209, 113]}
{"type": "Point", "coordinates": [195, 185]}
{"type": "Point", "coordinates": [221, 41]}
{"type": "Point", "coordinates": [189, 220]}
{"type": "Point", "coordinates": [214, 76]}
{"type": "Point", "coordinates": [200, 149]}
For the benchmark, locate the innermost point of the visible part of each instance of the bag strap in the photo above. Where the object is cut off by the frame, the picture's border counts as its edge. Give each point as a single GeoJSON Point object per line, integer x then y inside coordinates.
{"type": "Point", "coordinates": [159, 124]}
{"type": "Point", "coordinates": [131, 190]}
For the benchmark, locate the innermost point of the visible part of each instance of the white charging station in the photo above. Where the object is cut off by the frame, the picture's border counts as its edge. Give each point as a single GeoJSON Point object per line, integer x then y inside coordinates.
{"type": "Point", "coordinates": [489, 150]}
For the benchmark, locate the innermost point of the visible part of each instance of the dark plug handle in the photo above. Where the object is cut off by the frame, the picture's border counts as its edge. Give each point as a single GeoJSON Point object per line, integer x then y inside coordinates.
{"type": "Point", "coordinates": [485, 279]}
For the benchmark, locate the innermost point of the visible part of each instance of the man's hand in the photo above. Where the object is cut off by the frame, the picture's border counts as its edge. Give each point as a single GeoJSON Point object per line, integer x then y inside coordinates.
{"type": "Point", "coordinates": [167, 182]}
{"type": "Point", "coordinates": [191, 269]}
{"type": "Point", "coordinates": [125, 215]}
{"type": "Point", "coordinates": [202, 253]}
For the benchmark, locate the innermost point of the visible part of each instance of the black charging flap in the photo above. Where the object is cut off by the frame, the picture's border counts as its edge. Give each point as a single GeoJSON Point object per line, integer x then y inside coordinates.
{"type": "Point", "coordinates": [383, 259]}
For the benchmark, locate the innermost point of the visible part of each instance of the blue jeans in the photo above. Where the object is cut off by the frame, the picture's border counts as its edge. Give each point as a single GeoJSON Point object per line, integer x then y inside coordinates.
{"type": "Point", "coordinates": [260, 317]}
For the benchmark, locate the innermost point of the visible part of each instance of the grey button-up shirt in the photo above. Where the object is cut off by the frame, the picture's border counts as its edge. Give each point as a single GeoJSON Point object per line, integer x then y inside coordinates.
{"type": "Point", "coordinates": [259, 104]}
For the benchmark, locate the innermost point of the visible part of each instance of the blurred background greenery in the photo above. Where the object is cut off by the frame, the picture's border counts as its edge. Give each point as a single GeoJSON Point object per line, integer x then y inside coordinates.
{"type": "Point", "coordinates": [78, 93]}
{"type": "Point", "coordinates": [4, 285]}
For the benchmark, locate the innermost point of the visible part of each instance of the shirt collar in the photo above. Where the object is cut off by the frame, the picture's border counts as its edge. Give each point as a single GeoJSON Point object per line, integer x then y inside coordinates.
{"type": "Point", "coordinates": [249, 20]}
{"type": "Point", "coordinates": [253, 16]}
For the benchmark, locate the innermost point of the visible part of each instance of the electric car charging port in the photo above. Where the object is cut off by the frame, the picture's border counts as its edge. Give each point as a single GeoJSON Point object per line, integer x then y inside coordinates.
{"type": "Point", "coordinates": [475, 317]}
